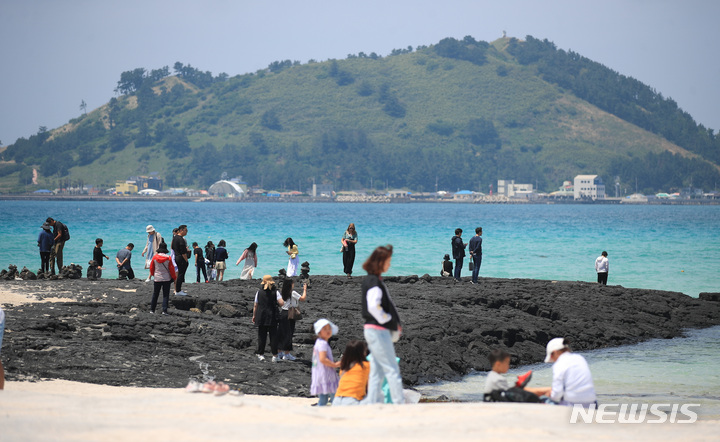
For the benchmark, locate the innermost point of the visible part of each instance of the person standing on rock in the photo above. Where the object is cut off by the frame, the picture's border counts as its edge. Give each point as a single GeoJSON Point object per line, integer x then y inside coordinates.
{"type": "Point", "coordinates": [250, 257]}
{"type": "Point", "coordinates": [2, 331]}
{"type": "Point", "coordinates": [293, 262]}
{"type": "Point", "coordinates": [458, 252]}
{"type": "Point", "coordinates": [180, 249]}
{"type": "Point", "coordinates": [475, 249]}
{"type": "Point", "coordinates": [163, 270]}
{"type": "Point", "coordinates": [98, 256]}
{"type": "Point", "coordinates": [349, 239]}
{"type": "Point", "coordinates": [265, 316]}
{"type": "Point", "coordinates": [210, 260]}
{"type": "Point", "coordinates": [286, 330]}
{"type": "Point", "coordinates": [45, 243]}
{"type": "Point", "coordinates": [153, 242]}
{"type": "Point", "coordinates": [60, 235]}
{"type": "Point", "coordinates": [602, 267]}
{"type": "Point", "coordinates": [382, 328]}
{"type": "Point", "coordinates": [221, 254]}
{"type": "Point", "coordinates": [199, 262]}
{"type": "Point", "coordinates": [123, 261]}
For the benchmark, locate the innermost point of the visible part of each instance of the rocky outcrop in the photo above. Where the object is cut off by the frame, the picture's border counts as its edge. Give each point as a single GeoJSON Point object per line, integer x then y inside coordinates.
{"type": "Point", "coordinates": [107, 334]}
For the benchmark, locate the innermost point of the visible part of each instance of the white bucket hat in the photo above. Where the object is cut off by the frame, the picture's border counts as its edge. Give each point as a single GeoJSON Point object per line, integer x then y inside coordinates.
{"type": "Point", "coordinates": [554, 345]}
{"type": "Point", "coordinates": [149, 228]}
{"type": "Point", "coordinates": [320, 323]}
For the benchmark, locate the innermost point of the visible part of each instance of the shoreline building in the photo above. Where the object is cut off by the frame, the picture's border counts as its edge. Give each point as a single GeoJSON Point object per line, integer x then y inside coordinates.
{"type": "Point", "coordinates": [589, 187]}
{"type": "Point", "coordinates": [509, 189]}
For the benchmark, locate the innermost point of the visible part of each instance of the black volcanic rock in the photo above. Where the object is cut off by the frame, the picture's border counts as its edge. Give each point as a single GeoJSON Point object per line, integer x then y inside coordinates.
{"type": "Point", "coordinates": [107, 334]}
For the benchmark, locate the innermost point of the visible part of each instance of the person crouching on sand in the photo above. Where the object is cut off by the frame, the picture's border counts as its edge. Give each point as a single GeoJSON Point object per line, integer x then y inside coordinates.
{"type": "Point", "coordinates": [324, 378]}
{"type": "Point", "coordinates": [572, 381]}
{"type": "Point", "coordinates": [382, 329]}
{"type": "Point", "coordinates": [354, 374]}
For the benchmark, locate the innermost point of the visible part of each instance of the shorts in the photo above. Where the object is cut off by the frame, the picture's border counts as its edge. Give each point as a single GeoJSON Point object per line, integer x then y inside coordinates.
{"type": "Point", "coordinates": [220, 265]}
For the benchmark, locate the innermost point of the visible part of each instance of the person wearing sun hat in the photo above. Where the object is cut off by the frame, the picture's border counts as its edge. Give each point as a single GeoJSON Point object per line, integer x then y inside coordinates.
{"type": "Point", "coordinates": [151, 245]}
{"type": "Point", "coordinates": [324, 377]}
{"type": "Point", "coordinates": [572, 381]}
{"type": "Point", "coordinates": [265, 316]}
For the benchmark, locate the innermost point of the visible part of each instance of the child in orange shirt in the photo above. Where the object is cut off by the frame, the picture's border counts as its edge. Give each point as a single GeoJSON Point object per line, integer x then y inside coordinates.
{"type": "Point", "coordinates": [354, 374]}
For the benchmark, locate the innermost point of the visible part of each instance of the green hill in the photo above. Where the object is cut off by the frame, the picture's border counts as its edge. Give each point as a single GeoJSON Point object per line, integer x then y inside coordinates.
{"type": "Point", "coordinates": [462, 113]}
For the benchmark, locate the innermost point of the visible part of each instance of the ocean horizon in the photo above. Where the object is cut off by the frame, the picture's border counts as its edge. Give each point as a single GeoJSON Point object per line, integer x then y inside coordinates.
{"type": "Point", "coordinates": [655, 247]}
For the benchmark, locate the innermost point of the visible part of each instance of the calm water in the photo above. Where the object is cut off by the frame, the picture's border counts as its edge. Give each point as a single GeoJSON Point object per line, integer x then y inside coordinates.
{"type": "Point", "coordinates": [659, 371]}
{"type": "Point", "coordinates": [660, 247]}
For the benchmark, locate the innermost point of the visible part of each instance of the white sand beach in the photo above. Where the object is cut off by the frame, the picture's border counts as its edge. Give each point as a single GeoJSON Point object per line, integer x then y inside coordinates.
{"type": "Point", "coordinates": [64, 410]}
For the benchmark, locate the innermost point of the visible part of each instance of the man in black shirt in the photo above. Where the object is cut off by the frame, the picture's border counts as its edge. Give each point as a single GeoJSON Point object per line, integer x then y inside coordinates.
{"type": "Point", "coordinates": [180, 248]}
{"type": "Point", "coordinates": [60, 235]}
{"type": "Point", "coordinates": [98, 256]}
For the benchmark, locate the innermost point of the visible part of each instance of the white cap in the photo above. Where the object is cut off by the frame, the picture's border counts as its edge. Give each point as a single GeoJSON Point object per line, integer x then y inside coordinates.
{"type": "Point", "coordinates": [554, 345]}
{"type": "Point", "coordinates": [149, 228]}
{"type": "Point", "coordinates": [320, 323]}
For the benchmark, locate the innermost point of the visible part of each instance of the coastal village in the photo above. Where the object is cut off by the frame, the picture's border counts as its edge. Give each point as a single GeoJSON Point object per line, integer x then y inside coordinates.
{"type": "Point", "coordinates": [582, 189]}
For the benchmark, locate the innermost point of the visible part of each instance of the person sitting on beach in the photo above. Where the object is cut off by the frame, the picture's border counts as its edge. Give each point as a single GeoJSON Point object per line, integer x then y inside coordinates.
{"type": "Point", "coordinates": [324, 378]}
{"type": "Point", "coordinates": [572, 381]}
{"type": "Point", "coordinates": [250, 257]}
{"type": "Point", "coordinates": [354, 374]}
{"type": "Point", "coordinates": [123, 258]}
{"type": "Point", "coordinates": [447, 267]}
{"type": "Point", "coordinates": [497, 388]}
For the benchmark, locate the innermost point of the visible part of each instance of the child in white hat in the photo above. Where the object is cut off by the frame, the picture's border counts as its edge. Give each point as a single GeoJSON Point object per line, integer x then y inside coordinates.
{"type": "Point", "coordinates": [324, 377]}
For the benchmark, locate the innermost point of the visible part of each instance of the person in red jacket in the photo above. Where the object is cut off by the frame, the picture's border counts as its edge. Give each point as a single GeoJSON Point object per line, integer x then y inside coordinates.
{"type": "Point", "coordinates": [162, 268]}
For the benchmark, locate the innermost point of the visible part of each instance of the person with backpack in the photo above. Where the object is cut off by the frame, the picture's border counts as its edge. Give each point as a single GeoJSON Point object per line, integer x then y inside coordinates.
{"type": "Point", "coordinates": [60, 235]}
{"type": "Point", "coordinates": [45, 243]}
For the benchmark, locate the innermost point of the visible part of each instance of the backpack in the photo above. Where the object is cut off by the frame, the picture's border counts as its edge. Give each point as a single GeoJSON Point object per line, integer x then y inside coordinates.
{"type": "Point", "coordinates": [210, 253]}
{"type": "Point", "coordinates": [65, 233]}
{"type": "Point", "coordinates": [514, 394]}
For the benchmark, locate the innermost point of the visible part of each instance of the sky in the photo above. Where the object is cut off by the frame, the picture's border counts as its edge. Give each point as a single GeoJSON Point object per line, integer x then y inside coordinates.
{"type": "Point", "coordinates": [55, 54]}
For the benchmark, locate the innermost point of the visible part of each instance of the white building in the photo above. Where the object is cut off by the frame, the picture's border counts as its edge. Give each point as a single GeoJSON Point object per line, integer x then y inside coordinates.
{"type": "Point", "coordinates": [226, 189]}
{"type": "Point", "coordinates": [589, 187]}
{"type": "Point", "coordinates": [509, 189]}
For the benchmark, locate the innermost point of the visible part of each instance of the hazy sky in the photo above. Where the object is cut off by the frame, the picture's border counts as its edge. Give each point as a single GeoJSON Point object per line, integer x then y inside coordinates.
{"type": "Point", "coordinates": [54, 54]}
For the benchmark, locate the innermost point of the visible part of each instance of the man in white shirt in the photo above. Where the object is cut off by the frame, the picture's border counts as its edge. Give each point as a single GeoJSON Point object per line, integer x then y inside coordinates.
{"type": "Point", "coordinates": [602, 266]}
{"type": "Point", "coordinates": [572, 381]}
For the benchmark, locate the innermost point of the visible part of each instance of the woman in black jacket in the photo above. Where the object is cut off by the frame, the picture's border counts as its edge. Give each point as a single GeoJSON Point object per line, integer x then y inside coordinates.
{"type": "Point", "coordinates": [382, 328]}
{"type": "Point", "coordinates": [265, 316]}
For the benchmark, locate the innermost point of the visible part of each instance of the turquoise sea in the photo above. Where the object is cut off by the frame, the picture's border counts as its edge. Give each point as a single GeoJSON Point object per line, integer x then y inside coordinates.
{"type": "Point", "coordinates": [659, 247]}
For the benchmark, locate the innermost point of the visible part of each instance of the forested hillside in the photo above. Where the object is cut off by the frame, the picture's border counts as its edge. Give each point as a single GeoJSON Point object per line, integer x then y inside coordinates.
{"type": "Point", "coordinates": [459, 114]}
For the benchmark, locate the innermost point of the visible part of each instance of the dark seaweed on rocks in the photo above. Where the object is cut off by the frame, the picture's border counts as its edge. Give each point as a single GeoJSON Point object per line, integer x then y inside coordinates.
{"type": "Point", "coordinates": [107, 335]}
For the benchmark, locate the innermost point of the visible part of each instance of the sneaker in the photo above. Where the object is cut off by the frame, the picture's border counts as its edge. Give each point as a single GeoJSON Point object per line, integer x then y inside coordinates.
{"type": "Point", "coordinates": [180, 293]}
{"type": "Point", "coordinates": [275, 359]}
{"type": "Point", "coordinates": [152, 312]}
{"type": "Point", "coordinates": [148, 280]}
{"type": "Point", "coordinates": [164, 313]}
{"type": "Point", "coordinates": [289, 357]}
{"type": "Point", "coordinates": [260, 357]}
